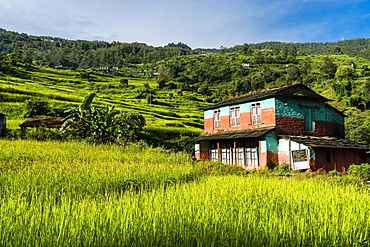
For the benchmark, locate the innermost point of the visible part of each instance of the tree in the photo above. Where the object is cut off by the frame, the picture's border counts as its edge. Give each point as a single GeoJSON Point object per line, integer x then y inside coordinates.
{"type": "Point", "coordinates": [345, 72]}
{"type": "Point", "coordinates": [328, 68]}
{"type": "Point", "coordinates": [336, 50]}
{"type": "Point", "coordinates": [123, 83]}
{"type": "Point", "coordinates": [358, 128]}
{"type": "Point", "coordinates": [246, 50]}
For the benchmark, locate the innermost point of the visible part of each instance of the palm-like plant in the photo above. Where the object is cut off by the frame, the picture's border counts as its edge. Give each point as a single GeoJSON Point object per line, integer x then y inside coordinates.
{"type": "Point", "coordinates": [102, 125]}
{"type": "Point", "coordinates": [79, 118]}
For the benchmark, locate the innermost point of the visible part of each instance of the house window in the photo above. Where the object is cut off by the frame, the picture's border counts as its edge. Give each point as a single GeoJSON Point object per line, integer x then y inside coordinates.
{"type": "Point", "coordinates": [214, 152]}
{"type": "Point", "coordinates": [247, 154]}
{"type": "Point", "coordinates": [216, 119]}
{"type": "Point", "coordinates": [256, 113]}
{"type": "Point", "coordinates": [308, 119]}
{"type": "Point", "coordinates": [227, 151]}
{"type": "Point", "coordinates": [235, 116]}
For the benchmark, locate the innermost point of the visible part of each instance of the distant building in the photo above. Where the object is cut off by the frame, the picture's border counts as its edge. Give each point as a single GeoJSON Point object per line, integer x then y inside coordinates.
{"type": "Point", "coordinates": [104, 69]}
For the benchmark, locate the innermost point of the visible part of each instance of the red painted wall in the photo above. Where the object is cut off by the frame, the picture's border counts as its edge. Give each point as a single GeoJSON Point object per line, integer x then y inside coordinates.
{"type": "Point", "coordinates": [267, 117]}
{"type": "Point", "coordinates": [208, 125]}
{"type": "Point", "coordinates": [295, 126]}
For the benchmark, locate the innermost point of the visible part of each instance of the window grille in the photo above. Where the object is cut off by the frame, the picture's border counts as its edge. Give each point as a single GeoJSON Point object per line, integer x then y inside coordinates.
{"type": "Point", "coordinates": [216, 119]}
{"type": "Point", "coordinates": [256, 113]}
{"type": "Point", "coordinates": [235, 116]}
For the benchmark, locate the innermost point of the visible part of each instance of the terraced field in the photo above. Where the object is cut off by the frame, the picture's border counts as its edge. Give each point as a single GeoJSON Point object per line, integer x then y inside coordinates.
{"type": "Point", "coordinates": [66, 88]}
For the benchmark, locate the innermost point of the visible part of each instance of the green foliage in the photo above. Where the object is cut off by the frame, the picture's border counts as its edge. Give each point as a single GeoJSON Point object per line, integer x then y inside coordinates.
{"type": "Point", "coordinates": [334, 173]}
{"type": "Point", "coordinates": [345, 72]}
{"type": "Point", "coordinates": [361, 171]}
{"type": "Point", "coordinates": [123, 83]}
{"type": "Point", "coordinates": [102, 125]}
{"type": "Point", "coordinates": [44, 134]}
{"type": "Point", "coordinates": [328, 68]}
{"type": "Point", "coordinates": [199, 80]}
{"type": "Point", "coordinates": [135, 195]}
{"type": "Point", "coordinates": [282, 169]}
{"type": "Point", "coordinates": [357, 128]}
{"type": "Point", "coordinates": [175, 138]}
{"type": "Point", "coordinates": [34, 107]}
{"type": "Point", "coordinates": [220, 169]}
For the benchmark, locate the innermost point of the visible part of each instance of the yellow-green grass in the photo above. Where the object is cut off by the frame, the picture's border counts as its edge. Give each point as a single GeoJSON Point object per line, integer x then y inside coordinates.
{"type": "Point", "coordinates": [76, 168]}
{"type": "Point", "coordinates": [14, 123]}
{"type": "Point", "coordinates": [65, 88]}
{"type": "Point", "coordinates": [74, 194]}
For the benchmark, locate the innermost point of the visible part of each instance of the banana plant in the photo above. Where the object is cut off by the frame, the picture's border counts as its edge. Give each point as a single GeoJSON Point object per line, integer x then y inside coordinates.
{"type": "Point", "coordinates": [102, 125]}
{"type": "Point", "coordinates": [78, 118]}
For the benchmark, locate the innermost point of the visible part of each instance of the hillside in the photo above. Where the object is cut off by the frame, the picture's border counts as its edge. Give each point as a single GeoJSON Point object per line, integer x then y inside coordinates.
{"type": "Point", "coordinates": [169, 90]}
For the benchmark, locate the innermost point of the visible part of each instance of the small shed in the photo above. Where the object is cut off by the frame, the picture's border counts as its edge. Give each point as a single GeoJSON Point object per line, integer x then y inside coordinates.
{"type": "Point", "coordinates": [41, 121]}
{"type": "Point", "coordinates": [2, 124]}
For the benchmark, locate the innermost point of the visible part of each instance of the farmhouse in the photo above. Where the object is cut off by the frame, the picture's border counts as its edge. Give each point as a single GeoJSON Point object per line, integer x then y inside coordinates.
{"type": "Point", "coordinates": [287, 125]}
{"type": "Point", "coordinates": [2, 124]}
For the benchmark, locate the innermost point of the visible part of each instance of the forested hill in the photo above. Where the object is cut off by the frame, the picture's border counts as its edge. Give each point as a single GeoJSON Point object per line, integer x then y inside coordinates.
{"type": "Point", "coordinates": [169, 84]}
{"type": "Point", "coordinates": [53, 51]}
{"type": "Point", "coordinates": [353, 47]}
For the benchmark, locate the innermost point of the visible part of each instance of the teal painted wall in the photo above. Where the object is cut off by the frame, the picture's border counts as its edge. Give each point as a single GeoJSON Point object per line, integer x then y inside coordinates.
{"type": "Point", "coordinates": [290, 108]}
{"type": "Point", "coordinates": [208, 114]}
{"type": "Point", "coordinates": [333, 116]}
{"type": "Point", "coordinates": [225, 111]}
{"type": "Point", "coordinates": [272, 144]}
{"type": "Point", "coordinates": [268, 103]}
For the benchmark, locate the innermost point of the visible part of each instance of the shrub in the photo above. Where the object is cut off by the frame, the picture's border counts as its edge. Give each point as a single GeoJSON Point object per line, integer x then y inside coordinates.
{"type": "Point", "coordinates": [43, 134]}
{"type": "Point", "coordinates": [34, 107]}
{"type": "Point", "coordinates": [218, 168]}
{"type": "Point", "coordinates": [334, 173]}
{"type": "Point", "coordinates": [362, 171]}
{"type": "Point", "coordinates": [282, 169]}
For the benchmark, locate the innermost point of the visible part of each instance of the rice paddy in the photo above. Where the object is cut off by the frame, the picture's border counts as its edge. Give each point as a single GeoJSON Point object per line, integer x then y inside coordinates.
{"type": "Point", "coordinates": [75, 194]}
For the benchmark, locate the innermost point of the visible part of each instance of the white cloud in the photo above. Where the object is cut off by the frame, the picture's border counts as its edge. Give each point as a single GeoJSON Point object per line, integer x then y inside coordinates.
{"type": "Point", "coordinates": [209, 23]}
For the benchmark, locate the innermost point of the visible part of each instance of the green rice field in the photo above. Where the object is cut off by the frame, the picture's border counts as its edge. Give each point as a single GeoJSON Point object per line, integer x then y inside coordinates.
{"type": "Point", "coordinates": [74, 194]}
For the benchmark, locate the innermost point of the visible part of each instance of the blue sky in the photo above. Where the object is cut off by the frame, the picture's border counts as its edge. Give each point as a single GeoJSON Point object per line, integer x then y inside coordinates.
{"type": "Point", "coordinates": [200, 24]}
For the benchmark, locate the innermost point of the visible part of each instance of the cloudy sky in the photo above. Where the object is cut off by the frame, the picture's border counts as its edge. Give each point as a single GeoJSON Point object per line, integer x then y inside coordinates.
{"type": "Point", "coordinates": [200, 24]}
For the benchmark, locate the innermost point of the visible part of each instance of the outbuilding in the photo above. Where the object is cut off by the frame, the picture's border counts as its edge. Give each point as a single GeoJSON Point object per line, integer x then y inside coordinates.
{"type": "Point", "coordinates": [2, 124]}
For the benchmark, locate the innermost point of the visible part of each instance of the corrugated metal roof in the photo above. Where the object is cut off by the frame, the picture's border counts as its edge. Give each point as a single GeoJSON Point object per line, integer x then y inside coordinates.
{"type": "Point", "coordinates": [296, 90]}
{"type": "Point", "coordinates": [253, 133]}
{"type": "Point", "coordinates": [326, 142]}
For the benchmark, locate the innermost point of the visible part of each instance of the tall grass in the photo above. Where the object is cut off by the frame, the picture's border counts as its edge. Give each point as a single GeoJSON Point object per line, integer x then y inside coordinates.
{"type": "Point", "coordinates": [72, 194]}
{"type": "Point", "coordinates": [77, 169]}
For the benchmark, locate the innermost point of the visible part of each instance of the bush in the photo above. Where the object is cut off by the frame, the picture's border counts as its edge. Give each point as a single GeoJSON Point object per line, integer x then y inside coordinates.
{"type": "Point", "coordinates": [34, 107]}
{"type": "Point", "coordinates": [220, 169]}
{"type": "Point", "coordinates": [43, 134]}
{"type": "Point", "coordinates": [282, 169]}
{"type": "Point", "coordinates": [362, 171]}
{"type": "Point", "coordinates": [334, 173]}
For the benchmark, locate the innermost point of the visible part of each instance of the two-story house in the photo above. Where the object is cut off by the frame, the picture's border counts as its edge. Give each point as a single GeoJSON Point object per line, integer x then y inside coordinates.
{"type": "Point", "coordinates": [288, 125]}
